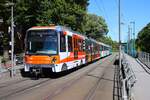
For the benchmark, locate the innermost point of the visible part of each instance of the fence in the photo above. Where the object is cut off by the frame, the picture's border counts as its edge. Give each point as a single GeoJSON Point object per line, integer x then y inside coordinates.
{"type": "Point", "coordinates": [125, 80]}
{"type": "Point", "coordinates": [144, 58]}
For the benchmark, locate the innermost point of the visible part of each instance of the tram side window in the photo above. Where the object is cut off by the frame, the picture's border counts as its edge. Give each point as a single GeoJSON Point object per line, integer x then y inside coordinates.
{"type": "Point", "coordinates": [74, 42]}
{"type": "Point", "coordinates": [101, 48]}
{"type": "Point", "coordinates": [104, 48]}
{"type": "Point", "coordinates": [69, 43]}
{"type": "Point", "coordinates": [79, 45]}
{"type": "Point", "coordinates": [83, 45]}
{"type": "Point", "coordinates": [62, 42]}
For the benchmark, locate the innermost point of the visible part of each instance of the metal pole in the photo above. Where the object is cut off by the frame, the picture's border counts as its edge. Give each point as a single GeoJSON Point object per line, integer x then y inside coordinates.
{"type": "Point", "coordinates": [134, 37]}
{"type": "Point", "coordinates": [127, 47]}
{"type": "Point", "coordinates": [144, 57]}
{"type": "Point", "coordinates": [131, 40]}
{"type": "Point", "coordinates": [12, 42]}
{"type": "Point", "coordinates": [128, 39]}
{"type": "Point", "coordinates": [119, 15]}
{"type": "Point", "coordinates": [148, 60]}
{"type": "Point", "coordinates": [0, 66]}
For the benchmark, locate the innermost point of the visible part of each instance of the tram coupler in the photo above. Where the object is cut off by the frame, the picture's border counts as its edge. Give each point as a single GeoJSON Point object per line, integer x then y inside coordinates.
{"type": "Point", "coordinates": [36, 71]}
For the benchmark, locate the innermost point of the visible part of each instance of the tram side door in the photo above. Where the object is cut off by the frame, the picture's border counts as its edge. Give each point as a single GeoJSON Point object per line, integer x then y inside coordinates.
{"type": "Point", "coordinates": [75, 42]}
{"type": "Point", "coordinates": [63, 48]}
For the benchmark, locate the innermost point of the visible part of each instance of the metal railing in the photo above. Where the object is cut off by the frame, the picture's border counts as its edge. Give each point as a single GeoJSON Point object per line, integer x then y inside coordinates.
{"type": "Point", "coordinates": [144, 57]}
{"type": "Point", "coordinates": [129, 79]}
{"type": "Point", "coordinates": [126, 79]}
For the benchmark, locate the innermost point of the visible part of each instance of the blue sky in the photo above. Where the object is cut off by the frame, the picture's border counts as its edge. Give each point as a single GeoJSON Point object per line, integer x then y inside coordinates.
{"type": "Point", "coordinates": [131, 10]}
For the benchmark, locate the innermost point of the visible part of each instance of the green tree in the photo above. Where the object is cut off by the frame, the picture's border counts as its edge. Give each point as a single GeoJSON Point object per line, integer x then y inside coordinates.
{"type": "Point", "coordinates": [28, 13]}
{"type": "Point", "coordinates": [68, 13]}
{"type": "Point", "coordinates": [95, 26]}
{"type": "Point", "coordinates": [143, 39]}
{"type": "Point", "coordinates": [5, 13]}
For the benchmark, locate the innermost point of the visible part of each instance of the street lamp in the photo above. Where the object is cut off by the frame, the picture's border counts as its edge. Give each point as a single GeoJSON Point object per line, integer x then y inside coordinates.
{"type": "Point", "coordinates": [12, 38]}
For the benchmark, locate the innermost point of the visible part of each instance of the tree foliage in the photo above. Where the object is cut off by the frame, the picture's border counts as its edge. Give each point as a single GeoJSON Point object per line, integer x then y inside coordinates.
{"type": "Point", "coordinates": [95, 26]}
{"type": "Point", "coordinates": [69, 13]}
{"type": "Point", "coordinates": [4, 14]}
{"type": "Point", "coordinates": [143, 39]}
{"type": "Point", "coordinates": [28, 13]}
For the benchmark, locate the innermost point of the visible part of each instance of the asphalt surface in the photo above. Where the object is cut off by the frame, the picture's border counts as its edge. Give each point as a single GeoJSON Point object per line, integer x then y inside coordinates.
{"type": "Point", "coordinates": [91, 82]}
{"type": "Point", "coordinates": [142, 86]}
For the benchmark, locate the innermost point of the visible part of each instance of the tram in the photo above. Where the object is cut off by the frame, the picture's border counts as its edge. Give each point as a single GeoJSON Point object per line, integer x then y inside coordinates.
{"type": "Point", "coordinates": [59, 48]}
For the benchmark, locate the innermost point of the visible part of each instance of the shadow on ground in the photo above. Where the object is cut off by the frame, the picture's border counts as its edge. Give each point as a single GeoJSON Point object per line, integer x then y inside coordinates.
{"type": "Point", "coordinates": [48, 73]}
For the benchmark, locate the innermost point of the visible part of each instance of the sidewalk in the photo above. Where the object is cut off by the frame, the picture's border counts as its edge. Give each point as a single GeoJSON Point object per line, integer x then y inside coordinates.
{"type": "Point", "coordinates": [5, 73]}
{"type": "Point", "coordinates": [142, 86]}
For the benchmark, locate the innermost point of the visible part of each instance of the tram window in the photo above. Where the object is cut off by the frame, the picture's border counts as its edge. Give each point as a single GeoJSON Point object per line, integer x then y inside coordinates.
{"type": "Point", "coordinates": [62, 42]}
{"type": "Point", "coordinates": [83, 45]}
{"type": "Point", "coordinates": [69, 43]}
{"type": "Point", "coordinates": [97, 48]}
{"type": "Point", "coordinates": [74, 43]}
{"type": "Point", "coordinates": [104, 48]}
{"type": "Point", "coordinates": [101, 48]}
{"type": "Point", "coordinates": [79, 45]}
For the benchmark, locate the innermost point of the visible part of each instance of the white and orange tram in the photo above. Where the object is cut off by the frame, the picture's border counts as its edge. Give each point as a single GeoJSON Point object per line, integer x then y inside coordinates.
{"type": "Point", "coordinates": [59, 49]}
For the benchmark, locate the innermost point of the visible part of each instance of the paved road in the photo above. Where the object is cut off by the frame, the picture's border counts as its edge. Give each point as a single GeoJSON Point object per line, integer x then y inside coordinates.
{"type": "Point", "coordinates": [142, 86]}
{"type": "Point", "coordinates": [92, 82]}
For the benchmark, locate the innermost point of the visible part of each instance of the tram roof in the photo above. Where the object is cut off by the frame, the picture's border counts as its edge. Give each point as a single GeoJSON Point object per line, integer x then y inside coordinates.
{"type": "Point", "coordinates": [55, 27]}
{"type": "Point", "coordinates": [58, 28]}
{"type": "Point", "coordinates": [63, 28]}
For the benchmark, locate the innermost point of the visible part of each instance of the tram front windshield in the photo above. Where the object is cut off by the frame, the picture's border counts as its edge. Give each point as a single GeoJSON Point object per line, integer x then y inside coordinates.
{"type": "Point", "coordinates": [42, 42]}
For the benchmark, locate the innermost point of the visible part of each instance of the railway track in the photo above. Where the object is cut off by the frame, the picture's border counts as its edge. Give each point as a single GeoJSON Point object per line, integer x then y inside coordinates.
{"type": "Point", "coordinates": [67, 85]}
{"type": "Point", "coordinates": [19, 86]}
{"type": "Point", "coordinates": [48, 88]}
{"type": "Point", "coordinates": [6, 84]}
{"type": "Point", "coordinates": [92, 91]}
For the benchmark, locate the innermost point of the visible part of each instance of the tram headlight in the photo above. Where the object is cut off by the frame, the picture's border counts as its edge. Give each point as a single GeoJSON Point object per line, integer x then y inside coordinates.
{"type": "Point", "coordinates": [26, 67]}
